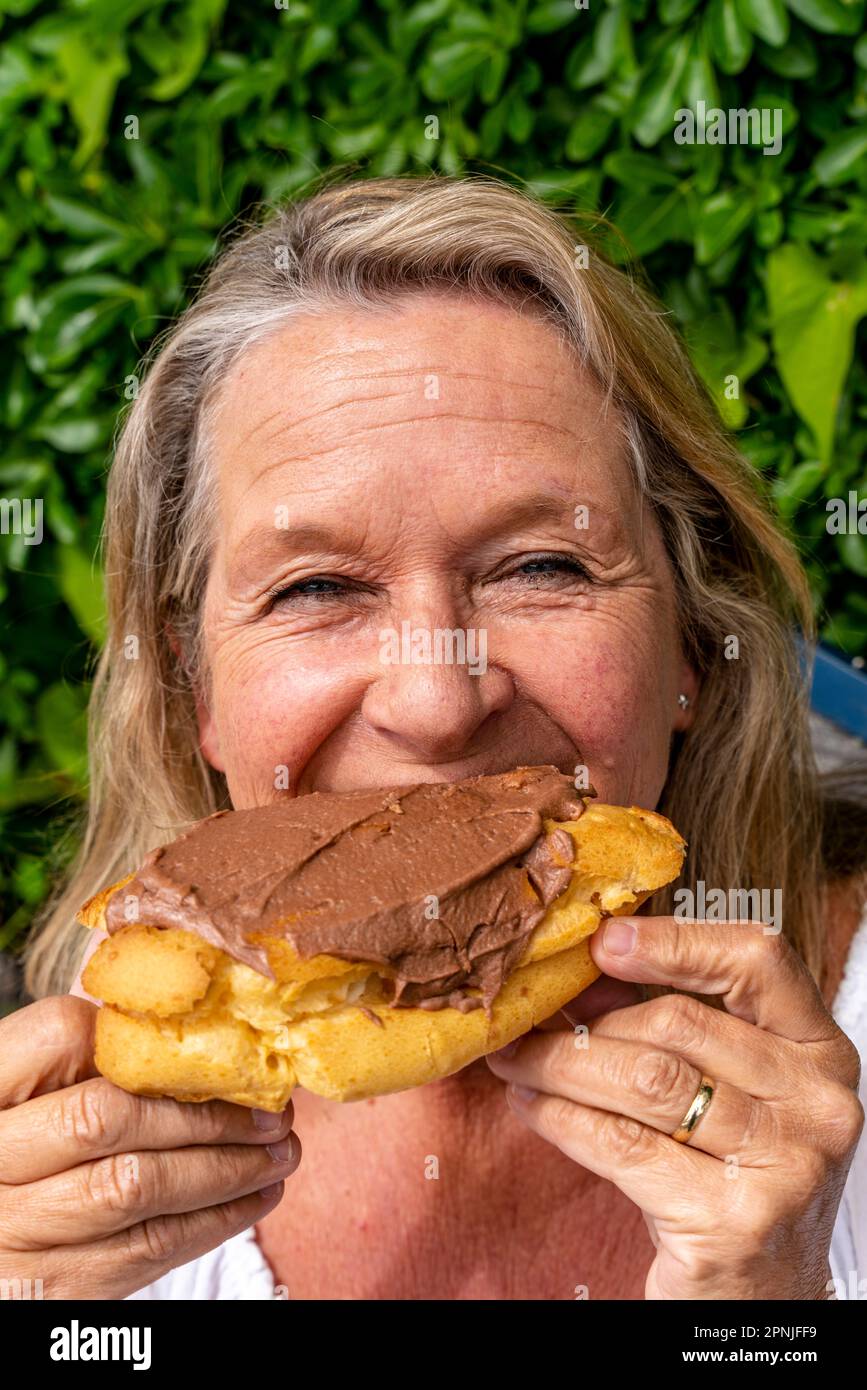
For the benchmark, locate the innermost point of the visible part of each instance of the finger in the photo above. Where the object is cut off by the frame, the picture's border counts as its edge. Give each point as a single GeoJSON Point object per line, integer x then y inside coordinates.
{"type": "Point", "coordinates": [123, 1263]}
{"type": "Point", "coordinates": [96, 939]}
{"type": "Point", "coordinates": [661, 1176]}
{"type": "Point", "coordinates": [603, 995]}
{"type": "Point", "coordinates": [44, 1047]}
{"type": "Point", "coordinates": [758, 976]}
{"type": "Point", "coordinates": [599, 998]}
{"type": "Point", "coordinates": [647, 1084]}
{"type": "Point", "coordinates": [98, 1199]}
{"type": "Point", "coordinates": [716, 1043]}
{"type": "Point", "coordinates": [95, 1118]}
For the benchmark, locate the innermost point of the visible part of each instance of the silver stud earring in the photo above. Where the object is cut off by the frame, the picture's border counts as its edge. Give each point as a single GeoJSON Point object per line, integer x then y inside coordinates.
{"type": "Point", "coordinates": [684, 701]}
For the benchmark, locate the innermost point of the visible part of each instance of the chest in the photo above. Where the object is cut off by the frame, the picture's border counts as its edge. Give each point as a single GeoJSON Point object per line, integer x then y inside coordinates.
{"type": "Point", "coordinates": [527, 1224]}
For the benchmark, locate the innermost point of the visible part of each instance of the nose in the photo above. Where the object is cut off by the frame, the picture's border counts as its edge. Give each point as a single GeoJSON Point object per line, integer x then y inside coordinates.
{"type": "Point", "coordinates": [434, 711]}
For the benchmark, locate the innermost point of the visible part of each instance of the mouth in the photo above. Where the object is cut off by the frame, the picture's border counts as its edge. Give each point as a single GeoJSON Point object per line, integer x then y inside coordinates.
{"type": "Point", "coordinates": [435, 774]}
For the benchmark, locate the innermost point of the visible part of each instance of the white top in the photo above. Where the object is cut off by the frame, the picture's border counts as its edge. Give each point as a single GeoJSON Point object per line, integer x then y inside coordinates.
{"type": "Point", "coordinates": [238, 1269]}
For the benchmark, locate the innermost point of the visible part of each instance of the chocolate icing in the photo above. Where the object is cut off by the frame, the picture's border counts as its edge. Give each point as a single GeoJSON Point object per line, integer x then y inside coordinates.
{"type": "Point", "coordinates": [440, 882]}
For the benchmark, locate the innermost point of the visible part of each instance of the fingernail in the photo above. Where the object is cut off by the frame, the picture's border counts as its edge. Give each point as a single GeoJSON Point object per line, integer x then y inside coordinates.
{"type": "Point", "coordinates": [523, 1093]}
{"type": "Point", "coordinates": [282, 1151]}
{"type": "Point", "coordinates": [619, 938]}
{"type": "Point", "coordinates": [508, 1051]}
{"type": "Point", "coordinates": [264, 1119]}
{"type": "Point", "coordinates": [270, 1192]}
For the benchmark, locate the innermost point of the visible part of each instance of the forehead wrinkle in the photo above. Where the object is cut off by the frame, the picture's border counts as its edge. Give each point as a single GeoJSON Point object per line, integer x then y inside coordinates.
{"type": "Point", "coordinates": [408, 372]}
{"type": "Point", "coordinates": [322, 411]}
{"type": "Point", "coordinates": [428, 369]}
{"type": "Point", "coordinates": [355, 349]}
{"type": "Point", "coordinates": [359, 430]}
{"type": "Point", "coordinates": [298, 421]}
{"type": "Point", "coordinates": [441, 417]}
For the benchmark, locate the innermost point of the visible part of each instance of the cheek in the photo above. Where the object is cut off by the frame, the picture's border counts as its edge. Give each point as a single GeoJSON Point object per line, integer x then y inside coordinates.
{"type": "Point", "coordinates": [273, 706]}
{"type": "Point", "coordinates": [609, 685]}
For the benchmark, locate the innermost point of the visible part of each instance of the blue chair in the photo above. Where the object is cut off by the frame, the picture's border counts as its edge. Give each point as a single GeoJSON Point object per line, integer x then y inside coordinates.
{"type": "Point", "coordinates": [839, 692]}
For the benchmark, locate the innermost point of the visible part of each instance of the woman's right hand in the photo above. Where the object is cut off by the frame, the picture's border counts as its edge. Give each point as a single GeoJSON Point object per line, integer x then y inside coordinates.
{"type": "Point", "coordinates": [101, 1192]}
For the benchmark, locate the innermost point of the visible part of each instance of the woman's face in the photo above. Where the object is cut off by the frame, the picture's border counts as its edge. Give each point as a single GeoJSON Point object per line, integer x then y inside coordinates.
{"type": "Point", "coordinates": [400, 485]}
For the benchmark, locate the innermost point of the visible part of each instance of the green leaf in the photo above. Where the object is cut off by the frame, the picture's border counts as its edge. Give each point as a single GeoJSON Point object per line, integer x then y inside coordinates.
{"type": "Point", "coordinates": [91, 67]}
{"type": "Point", "coordinates": [641, 170]}
{"type": "Point", "coordinates": [82, 586]}
{"type": "Point", "coordinates": [725, 361]}
{"type": "Point", "coordinates": [352, 144]}
{"type": "Point", "coordinates": [176, 51]}
{"type": "Point", "coordinates": [720, 222]}
{"type": "Point", "coordinates": [729, 40]}
{"type": "Point", "coordinates": [520, 121]}
{"type": "Point", "coordinates": [30, 878]}
{"type": "Point", "coordinates": [592, 60]}
{"type": "Point", "coordinates": [767, 19]}
{"type": "Point", "coordinates": [588, 133]}
{"type": "Point", "coordinates": [18, 7]}
{"type": "Point", "coordinates": [319, 44]}
{"type": "Point", "coordinates": [76, 314]}
{"type": "Point", "coordinates": [671, 12]}
{"type": "Point", "coordinates": [813, 320]}
{"type": "Point", "coordinates": [829, 16]}
{"type": "Point", "coordinates": [853, 548]}
{"type": "Point", "coordinates": [492, 80]}
{"type": "Point", "coordinates": [72, 436]}
{"type": "Point", "coordinates": [797, 59]}
{"type": "Point", "coordinates": [653, 115]}
{"type": "Point", "coordinates": [700, 83]}
{"type": "Point", "coordinates": [769, 228]}
{"type": "Point", "coordinates": [648, 221]}
{"type": "Point", "coordinates": [550, 16]}
{"type": "Point", "coordinates": [803, 481]}
{"type": "Point", "coordinates": [414, 22]}
{"type": "Point", "coordinates": [451, 70]}
{"type": "Point", "coordinates": [18, 76]}
{"type": "Point", "coordinates": [62, 726]}
{"type": "Point", "coordinates": [843, 158]}
{"type": "Point", "coordinates": [80, 220]}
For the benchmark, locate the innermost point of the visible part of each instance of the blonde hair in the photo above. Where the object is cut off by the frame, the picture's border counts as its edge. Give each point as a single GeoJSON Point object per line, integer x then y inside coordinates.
{"type": "Point", "coordinates": [741, 787]}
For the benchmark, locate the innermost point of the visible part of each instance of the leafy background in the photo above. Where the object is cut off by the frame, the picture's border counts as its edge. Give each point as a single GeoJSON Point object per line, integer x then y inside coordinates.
{"type": "Point", "coordinates": [760, 259]}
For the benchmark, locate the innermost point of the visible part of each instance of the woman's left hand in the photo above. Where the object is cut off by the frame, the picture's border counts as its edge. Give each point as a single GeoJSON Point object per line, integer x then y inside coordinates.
{"type": "Point", "coordinates": [746, 1208]}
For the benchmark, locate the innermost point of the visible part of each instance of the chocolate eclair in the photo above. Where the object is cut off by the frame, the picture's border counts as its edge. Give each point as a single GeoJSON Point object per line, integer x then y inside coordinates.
{"type": "Point", "coordinates": [362, 942]}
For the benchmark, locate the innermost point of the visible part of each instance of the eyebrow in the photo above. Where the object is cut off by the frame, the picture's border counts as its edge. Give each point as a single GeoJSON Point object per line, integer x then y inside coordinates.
{"type": "Point", "coordinates": [270, 544]}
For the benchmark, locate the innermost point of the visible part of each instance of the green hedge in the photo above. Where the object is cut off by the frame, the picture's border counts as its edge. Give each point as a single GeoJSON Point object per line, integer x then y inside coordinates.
{"type": "Point", "coordinates": [761, 259]}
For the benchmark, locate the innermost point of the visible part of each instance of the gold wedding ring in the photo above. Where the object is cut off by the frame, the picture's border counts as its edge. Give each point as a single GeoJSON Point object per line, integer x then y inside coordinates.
{"type": "Point", "coordinates": [703, 1098]}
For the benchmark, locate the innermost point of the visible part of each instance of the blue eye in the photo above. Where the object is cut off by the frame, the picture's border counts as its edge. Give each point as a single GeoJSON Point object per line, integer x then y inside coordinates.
{"type": "Point", "coordinates": [317, 587]}
{"type": "Point", "coordinates": [535, 569]}
{"type": "Point", "coordinates": [540, 566]}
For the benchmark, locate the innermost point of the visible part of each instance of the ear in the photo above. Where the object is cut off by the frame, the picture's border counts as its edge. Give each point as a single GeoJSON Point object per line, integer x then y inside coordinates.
{"type": "Point", "coordinates": [209, 739]}
{"type": "Point", "coordinates": [688, 684]}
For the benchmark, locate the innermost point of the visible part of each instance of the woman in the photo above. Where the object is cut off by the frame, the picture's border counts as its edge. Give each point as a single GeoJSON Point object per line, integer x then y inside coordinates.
{"type": "Point", "coordinates": [411, 401]}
